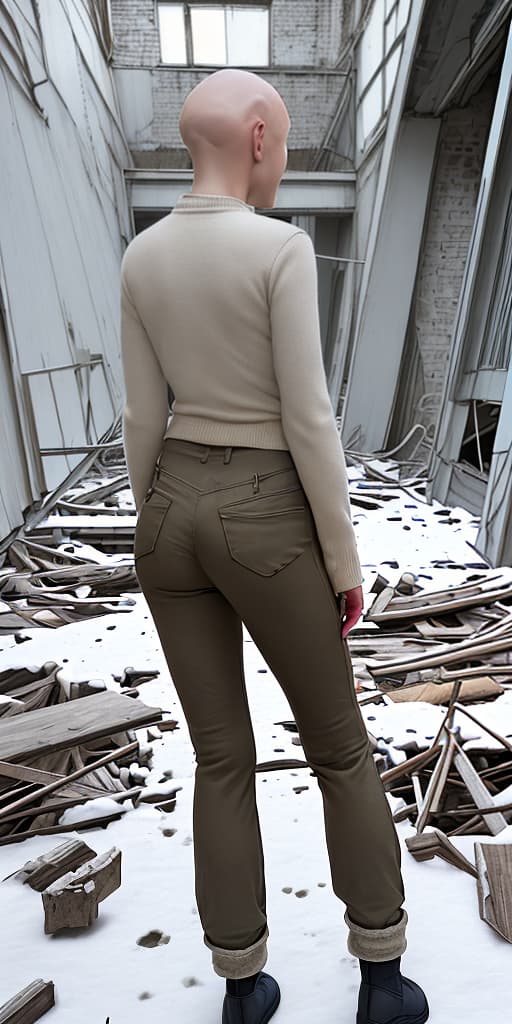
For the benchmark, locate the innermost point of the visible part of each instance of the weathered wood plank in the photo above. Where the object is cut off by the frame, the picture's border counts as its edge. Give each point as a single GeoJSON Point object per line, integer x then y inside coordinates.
{"type": "Point", "coordinates": [29, 1004]}
{"type": "Point", "coordinates": [29, 798]}
{"type": "Point", "coordinates": [43, 870]}
{"type": "Point", "coordinates": [426, 845]}
{"type": "Point", "coordinates": [71, 723]}
{"type": "Point", "coordinates": [71, 901]}
{"type": "Point", "coordinates": [494, 866]}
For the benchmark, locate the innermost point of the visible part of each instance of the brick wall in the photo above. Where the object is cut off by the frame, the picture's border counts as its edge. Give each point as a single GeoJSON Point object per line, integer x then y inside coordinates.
{"type": "Point", "coordinates": [135, 32]}
{"type": "Point", "coordinates": [305, 34]}
{"type": "Point", "coordinates": [448, 230]}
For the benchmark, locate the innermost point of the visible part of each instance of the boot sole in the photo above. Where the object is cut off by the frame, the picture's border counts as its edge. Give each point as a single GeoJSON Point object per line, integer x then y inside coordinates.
{"type": "Point", "coordinates": [401, 1020]}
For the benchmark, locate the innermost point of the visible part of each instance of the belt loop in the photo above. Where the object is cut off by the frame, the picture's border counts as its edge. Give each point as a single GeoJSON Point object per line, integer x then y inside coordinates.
{"type": "Point", "coordinates": [205, 455]}
{"type": "Point", "coordinates": [256, 483]}
{"type": "Point", "coordinates": [157, 466]}
{"type": "Point", "coordinates": [227, 454]}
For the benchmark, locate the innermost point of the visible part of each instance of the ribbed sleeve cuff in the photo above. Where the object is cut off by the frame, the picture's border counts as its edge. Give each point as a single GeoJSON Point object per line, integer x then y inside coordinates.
{"type": "Point", "coordinates": [347, 574]}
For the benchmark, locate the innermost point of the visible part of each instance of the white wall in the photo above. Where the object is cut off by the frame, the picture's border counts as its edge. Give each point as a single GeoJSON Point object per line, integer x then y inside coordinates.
{"type": "Point", "coordinates": [65, 220]}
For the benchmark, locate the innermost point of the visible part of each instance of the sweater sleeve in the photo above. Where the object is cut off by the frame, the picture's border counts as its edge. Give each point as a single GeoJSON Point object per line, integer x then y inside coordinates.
{"type": "Point", "coordinates": [307, 415]}
{"type": "Point", "coordinates": [146, 406]}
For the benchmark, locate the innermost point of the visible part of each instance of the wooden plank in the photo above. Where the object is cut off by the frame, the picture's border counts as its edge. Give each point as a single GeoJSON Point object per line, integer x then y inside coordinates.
{"type": "Point", "coordinates": [426, 845]}
{"type": "Point", "coordinates": [494, 866]}
{"type": "Point", "coordinates": [40, 872]}
{"type": "Point", "coordinates": [479, 792]}
{"type": "Point", "coordinates": [24, 774]}
{"type": "Point", "coordinates": [29, 1004]}
{"type": "Point", "coordinates": [434, 630]}
{"type": "Point", "coordinates": [52, 786]}
{"type": "Point", "coordinates": [427, 610]}
{"type": "Point", "coordinates": [54, 830]}
{"type": "Point", "coordinates": [62, 804]}
{"type": "Point", "coordinates": [72, 723]}
{"type": "Point", "coordinates": [480, 688]}
{"type": "Point", "coordinates": [381, 602]}
{"type": "Point", "coordinates": [456, 652]}
{"type": "Point", "coordinates": [71, 901]}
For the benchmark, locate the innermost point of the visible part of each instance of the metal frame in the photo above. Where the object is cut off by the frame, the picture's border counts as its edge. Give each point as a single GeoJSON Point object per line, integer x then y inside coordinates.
{"type": "Point", "coordinates": [39, 453]}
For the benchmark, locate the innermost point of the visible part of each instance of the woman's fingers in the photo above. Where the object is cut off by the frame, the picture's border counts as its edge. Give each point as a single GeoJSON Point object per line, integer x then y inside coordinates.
{"type": "Point", "coordinates": [353, 607]}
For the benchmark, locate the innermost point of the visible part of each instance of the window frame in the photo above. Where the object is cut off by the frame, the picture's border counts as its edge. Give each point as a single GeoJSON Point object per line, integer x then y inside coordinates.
{"type": "Point", "coordinates": [187, 5]}
{"type": "Point", "coordinates": [382, 70]}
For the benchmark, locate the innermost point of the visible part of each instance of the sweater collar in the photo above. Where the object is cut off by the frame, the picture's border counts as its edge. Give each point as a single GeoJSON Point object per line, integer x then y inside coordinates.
{"type": "Point", "coordinates": [189, 202]}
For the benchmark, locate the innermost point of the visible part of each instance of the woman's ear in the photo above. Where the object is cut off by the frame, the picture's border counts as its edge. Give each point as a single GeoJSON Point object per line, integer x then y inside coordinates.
{"type": "Point", "coordinates": [257, 136]}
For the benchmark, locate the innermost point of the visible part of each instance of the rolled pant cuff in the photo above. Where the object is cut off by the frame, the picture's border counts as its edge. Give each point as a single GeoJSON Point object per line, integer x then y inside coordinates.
{"type": "Point", "coordinates": [377, 943]}
{"type": "Point", "coordinates": [239, 963]}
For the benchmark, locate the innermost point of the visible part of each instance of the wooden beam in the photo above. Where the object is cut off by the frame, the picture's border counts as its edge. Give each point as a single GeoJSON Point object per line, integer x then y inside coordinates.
{"type": "Point", "coordinates": [72, 723]}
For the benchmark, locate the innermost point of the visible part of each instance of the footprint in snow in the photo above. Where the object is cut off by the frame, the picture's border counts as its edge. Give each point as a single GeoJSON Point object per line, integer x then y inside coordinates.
{"type": "Point", "coordinates": [153, 938]}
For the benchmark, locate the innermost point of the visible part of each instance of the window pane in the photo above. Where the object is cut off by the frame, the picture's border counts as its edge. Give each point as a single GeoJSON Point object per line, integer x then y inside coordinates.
{"type": "Point", "coordinates": [208, 35]}
{"type": "Point", "coordinates": [247, 35]}
{"type": "Point", "coordinates": [403, 14]}
{"type": "Point", "coordinates": [171, 23]}
{"type": "Point", "coordinates": [371, 55]}
{"type": "Point", "coordinates": [390, 73]}
{"type": "Point", "coordinates": [371, 107]}
{"type": "Point", "coordinates": [391, 32]}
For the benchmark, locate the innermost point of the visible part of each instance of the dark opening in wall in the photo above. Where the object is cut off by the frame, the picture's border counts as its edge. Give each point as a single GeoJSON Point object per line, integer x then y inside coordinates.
{"type": "Point", "coordinates": [479, 434]}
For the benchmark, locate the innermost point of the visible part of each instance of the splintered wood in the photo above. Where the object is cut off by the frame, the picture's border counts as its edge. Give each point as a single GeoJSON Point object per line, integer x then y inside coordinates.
{"type": "Point", "coordinates": [447, 632]}
{"type": "Point", "coordinates": [71, 901]}
{"type": "Point", "coordinates": [71, 897]}
{"type": "Point", "coordinates": [445, 647]}
{"type": "Point", "coordinates": [494, 867]}
{"type": "Point", "coordinates": [64, 754]}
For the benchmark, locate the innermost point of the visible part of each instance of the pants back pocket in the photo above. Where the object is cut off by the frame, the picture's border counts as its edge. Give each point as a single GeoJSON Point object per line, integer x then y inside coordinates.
{"type": "Point", "coordinates": [266, 532]}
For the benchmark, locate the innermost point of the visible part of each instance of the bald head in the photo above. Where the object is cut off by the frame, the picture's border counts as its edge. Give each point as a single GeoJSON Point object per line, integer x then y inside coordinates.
{"type": "Point", "coordinates": [232, 122]}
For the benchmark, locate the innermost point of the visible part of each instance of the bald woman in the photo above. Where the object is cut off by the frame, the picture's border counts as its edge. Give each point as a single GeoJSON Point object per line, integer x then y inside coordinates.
{"type": "Point", "coordinates": [244, 518]}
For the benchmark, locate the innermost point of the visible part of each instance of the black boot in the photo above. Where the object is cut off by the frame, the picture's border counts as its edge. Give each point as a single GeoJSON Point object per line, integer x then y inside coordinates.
{"type": "Point", "coordinates": [386, 997]}
{"type": "Point", "coordinates": [256, 1007]}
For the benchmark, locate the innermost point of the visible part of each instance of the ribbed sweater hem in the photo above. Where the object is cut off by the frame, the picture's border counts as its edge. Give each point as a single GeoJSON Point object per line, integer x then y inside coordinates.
{"type": "Point", "coordinates": [263, 434]}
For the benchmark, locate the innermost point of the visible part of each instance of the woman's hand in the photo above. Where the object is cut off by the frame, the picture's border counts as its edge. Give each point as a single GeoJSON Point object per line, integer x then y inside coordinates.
{"type": "Point", "coordinates": [352, 602]}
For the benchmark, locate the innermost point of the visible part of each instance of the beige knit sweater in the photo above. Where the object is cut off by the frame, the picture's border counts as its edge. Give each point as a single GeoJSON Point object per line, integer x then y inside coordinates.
{"type": "Point", "coordinates": [221, 303]}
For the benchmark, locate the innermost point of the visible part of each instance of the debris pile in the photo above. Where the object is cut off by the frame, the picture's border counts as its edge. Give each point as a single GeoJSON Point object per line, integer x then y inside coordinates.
{"type": "Point", "coordinates": [57, 752]}
{"type": "Point", "coordinates": [412, 641]}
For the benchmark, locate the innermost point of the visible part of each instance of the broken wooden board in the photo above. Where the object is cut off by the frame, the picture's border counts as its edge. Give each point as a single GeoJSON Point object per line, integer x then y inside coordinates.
{"type": "Point", "coordinates": [43, 870]}
{"type": "Point", "coordinates": [72, 723]}
{"type": "Point", "coordinates": [427, 845]}
{"type": "Point", "coordinates": [481, 688]}
{"type": "Point", "coordinates": [494, 884]}
{"type": "Point", "coordinates": [487, 590]}
{"type": "Point", "coordinates": [445, 654]}
{"type": "Point", "coordinates": [29, 1004]}
{"type": "Point", "coordinates": [71, 901]}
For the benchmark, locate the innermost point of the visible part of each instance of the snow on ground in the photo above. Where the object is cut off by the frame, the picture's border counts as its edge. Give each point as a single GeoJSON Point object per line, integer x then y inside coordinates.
{"type": "Point", "coordinates": [101, 972]}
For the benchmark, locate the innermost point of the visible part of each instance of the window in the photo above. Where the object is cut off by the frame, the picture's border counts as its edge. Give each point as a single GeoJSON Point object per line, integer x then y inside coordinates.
{"type": "Point", "coordinates": [379, 55]}
{"type": "Point", "coordinates": [212, 33]}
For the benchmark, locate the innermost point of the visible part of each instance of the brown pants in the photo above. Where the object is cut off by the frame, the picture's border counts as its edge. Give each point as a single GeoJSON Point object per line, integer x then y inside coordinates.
{"type": "Point", "coordinates": [224, 536]}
